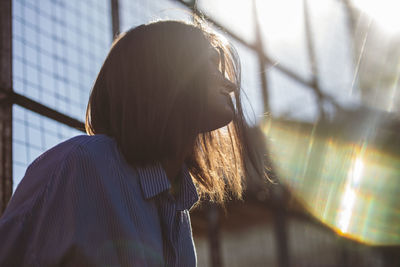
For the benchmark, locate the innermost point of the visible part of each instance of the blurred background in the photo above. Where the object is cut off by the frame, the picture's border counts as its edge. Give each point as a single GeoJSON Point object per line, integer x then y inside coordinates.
{"type": "Point", "coordinates": [321, 79]}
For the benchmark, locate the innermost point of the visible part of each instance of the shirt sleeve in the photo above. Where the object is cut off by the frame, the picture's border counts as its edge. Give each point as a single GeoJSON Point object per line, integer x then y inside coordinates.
{"type": "Point", "coordinates": [77, 220]}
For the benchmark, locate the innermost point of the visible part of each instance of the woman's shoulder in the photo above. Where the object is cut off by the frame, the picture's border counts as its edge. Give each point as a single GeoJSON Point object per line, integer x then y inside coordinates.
{"type": "Point", "coordinates": [66, 160]}
{"type": "Point", "coordinates": [76, 153]}
{"type": "Point", "coordinates": [80, 145]}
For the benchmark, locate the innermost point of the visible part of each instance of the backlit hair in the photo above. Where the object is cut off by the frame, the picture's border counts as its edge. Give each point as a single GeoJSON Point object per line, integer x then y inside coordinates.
{"type": "Point", "coordinates": [150, 97]}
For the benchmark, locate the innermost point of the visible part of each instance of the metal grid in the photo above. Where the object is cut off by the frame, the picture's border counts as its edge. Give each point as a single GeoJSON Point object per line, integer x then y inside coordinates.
{"type": "Point", "coordinates": [58, 48]}
{"type": "Point", "coordinates": [32, 135]}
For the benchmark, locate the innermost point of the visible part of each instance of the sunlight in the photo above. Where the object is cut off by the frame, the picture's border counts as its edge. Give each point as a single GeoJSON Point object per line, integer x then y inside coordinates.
{"type": "Point", "coordinates": [357, 171]}
{"type": "Point", "coordinates": [352, 187]}
{"type": "Point", "coordinates": [281, 20]}
{"type": "Point", "coordinates": [383, 12]}
{"type": "Point", "coordinates": [346, 209]}
{"type": "Point", "coordinates": [349, 196]}
{"type": "Point", "coordinates": [236, 15]}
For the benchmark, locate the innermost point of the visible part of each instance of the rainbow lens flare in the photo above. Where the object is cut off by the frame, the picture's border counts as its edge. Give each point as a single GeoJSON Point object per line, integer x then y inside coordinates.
{"type": "Point", "coordinates": [345, 171]}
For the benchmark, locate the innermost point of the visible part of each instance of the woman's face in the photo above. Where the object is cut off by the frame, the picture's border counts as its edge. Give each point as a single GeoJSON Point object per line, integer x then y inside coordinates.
{"type": "Point", "coordinates": [219, 107]}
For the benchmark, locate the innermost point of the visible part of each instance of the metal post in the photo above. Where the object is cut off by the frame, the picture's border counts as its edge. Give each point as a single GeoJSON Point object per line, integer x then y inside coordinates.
{"type": "Point", "coordinates": [115, 17]}
{"type": "Point", "coordinates": [214, 235]}
{"type": "Point", "coordinates": [279, 198]}
{"type": "Point", "coordinates": [313, 60]}
{"type": "Point", "coordinates": [263, 63]}
{"type": "Point", "coordinates": [5, 105]}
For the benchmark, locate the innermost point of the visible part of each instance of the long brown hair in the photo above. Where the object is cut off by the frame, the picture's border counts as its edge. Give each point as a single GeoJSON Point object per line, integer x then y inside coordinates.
{"type": "Point", "coordinates": [149, 96]}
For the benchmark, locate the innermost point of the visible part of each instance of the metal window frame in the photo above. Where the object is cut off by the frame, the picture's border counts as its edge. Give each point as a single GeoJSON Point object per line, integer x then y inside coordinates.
{"type": "Point", "coordinates": [5, 106]}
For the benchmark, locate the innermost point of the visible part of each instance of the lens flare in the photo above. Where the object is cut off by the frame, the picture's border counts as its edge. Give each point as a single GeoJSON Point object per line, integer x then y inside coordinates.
{"type": "Point", "coordinates": [349, 195]}
{"type": "Point", "coordinates": [345, 172]}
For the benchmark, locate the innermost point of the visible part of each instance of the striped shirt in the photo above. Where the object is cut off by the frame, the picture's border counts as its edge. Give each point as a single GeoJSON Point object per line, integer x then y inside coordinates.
{"type": "Point", "coordinates": [81, 204]}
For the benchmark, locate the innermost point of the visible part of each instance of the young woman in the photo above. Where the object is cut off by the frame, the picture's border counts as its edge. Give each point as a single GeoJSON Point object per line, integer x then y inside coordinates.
{"type": "Point", "coordinates": [120, 195]}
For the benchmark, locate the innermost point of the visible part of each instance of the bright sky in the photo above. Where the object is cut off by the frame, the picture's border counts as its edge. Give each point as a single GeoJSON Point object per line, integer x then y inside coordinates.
{"type": "Point", "coordinates": [383, 12]}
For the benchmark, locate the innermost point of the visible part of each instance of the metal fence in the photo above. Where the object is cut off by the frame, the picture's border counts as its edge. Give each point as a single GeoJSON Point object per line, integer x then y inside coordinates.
{"type": "Point", "coordinates": [56, 49]}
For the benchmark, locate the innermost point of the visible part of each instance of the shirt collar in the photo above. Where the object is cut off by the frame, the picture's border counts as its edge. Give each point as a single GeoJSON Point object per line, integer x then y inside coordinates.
{"type": "Point", "coordinates": [154, 180]}
{"type": "Point", "coordinates": [187, 196]}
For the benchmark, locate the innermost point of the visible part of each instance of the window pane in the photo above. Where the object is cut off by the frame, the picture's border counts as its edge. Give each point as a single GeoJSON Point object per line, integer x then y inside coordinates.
{"type": "Point", "coordinates": [58, 49]}
{"type": "Point", "coordinates": [33, 134]}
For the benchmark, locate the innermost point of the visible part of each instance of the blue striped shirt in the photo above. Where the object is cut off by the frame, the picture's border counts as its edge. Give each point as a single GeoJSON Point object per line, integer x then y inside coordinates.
{"type": "Point", "coordinates": [81, 204]}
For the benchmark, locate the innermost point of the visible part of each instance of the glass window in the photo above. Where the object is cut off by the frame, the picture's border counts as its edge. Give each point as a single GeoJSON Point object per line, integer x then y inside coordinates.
{"type": "Point", "coordinates": [33, 134]}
